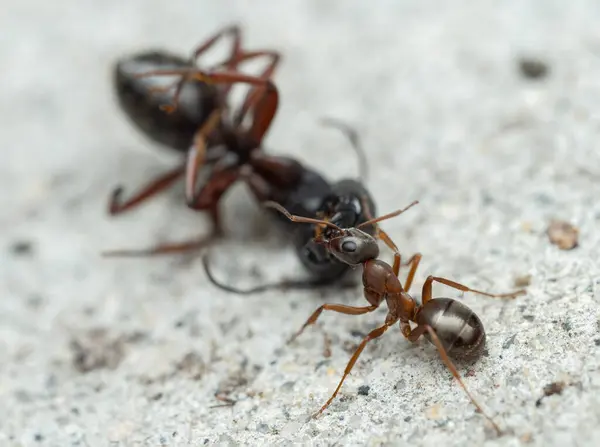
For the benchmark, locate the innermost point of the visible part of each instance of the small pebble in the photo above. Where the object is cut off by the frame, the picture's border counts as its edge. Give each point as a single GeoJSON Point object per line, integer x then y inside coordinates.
{"type": "Point", "coordinates": [523, 281]}
{"type": "Point", "coordinates": [563, 234]}
{"type": "Point", "coordinates": [532, 68]}
{"type": "Point", "coordinates": [363, 390]}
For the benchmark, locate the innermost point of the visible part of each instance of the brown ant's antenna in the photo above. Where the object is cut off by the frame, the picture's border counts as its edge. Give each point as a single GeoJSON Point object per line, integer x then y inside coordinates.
{"type": "Point", "coordinates": [387, 216]}
{"type": "Point", "coordinates": [300, 219]}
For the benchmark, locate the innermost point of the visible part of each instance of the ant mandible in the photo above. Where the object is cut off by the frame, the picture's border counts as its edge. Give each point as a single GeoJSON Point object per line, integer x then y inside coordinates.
{"type": "Point", "coordinates": [451, 326]}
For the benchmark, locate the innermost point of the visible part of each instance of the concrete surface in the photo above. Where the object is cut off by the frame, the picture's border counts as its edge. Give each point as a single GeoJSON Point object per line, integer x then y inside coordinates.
{"type": "Point", "coordinates": [131, 352]}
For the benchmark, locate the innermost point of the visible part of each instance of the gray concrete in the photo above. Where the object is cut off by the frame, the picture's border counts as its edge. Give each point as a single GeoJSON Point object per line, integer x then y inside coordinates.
{"type": "Point", "coordinates": [435, 91]}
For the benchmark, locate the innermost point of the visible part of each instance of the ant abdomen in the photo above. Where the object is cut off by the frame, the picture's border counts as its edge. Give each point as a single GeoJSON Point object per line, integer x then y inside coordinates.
{"type": "Point", "coordinates": [141, 104]}
{"type": "Point", "coordinates": [459, 329]}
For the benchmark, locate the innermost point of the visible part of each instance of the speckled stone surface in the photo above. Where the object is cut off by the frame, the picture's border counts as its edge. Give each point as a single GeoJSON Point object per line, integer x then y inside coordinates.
{"type": "Point", "coordinates": [131, 352]}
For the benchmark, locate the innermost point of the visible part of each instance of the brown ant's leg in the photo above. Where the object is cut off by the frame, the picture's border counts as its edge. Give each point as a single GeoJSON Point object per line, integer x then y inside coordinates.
{"type": "Point", "coordinates": [234, 54]}
{"type": "Point", "coordinates": [173, 247]}
{"type": "Point", "coordinates": [197, 155]}
{"type": "Point", "coordinates": [420, 330]}
{"type": "Point", "coordinates": [390, 243]}
{"type": "Point", "coordinates": [210, 194]}
{"type": "Point", "coordinates": [340, 308]}
{"type": "Point", "coordinates": [189, 74]}
{"type": "Point", "coordinates": [117, 206]}
{"type": "Point", "coordinates": [372, 335]}
{"type": "Point", "coordinates": [355, 142]}
{"type": "Point", "coordinates": [265, 109]}
{"type": "Point", "coordinates": [414, 264]}
{"type": "Point", "coordinates": [234, 31]}
{"type": "Point", "coordinates": [208, 200]}
{"type": "Point", "coordinates": [387, 240]}
{"type": "Point", "coordinates": [429, 281]}
{"type": "Point", "coordinates": [162, 249]}
{"type": "Point", "coordinates": [414, 259]}
{"type": "Point", "coordinates": [264, 112]}
{"type": "Point", "coordinates": [254, 95]}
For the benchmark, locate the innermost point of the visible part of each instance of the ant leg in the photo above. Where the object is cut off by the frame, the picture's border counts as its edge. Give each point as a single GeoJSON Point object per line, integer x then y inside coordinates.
{"type": "Point", "coordinates": [355, 142]}
{"type": "Point", "coordinates": [413, 260]}
{"type": "Point", "coordinates": [208, 197]}
{"type": "Point", "coordinates": [429, 281]}
{"type": "Point", "coordinates": [340, 308]}
{"type": "Point", "coordinates": [234, 31]}
{"type": "Point", "coordinates": [372, 335]}
{"type": "Point", "coordinates": [117, 206]}
{"type": "Point", "coordinates": [175, 247]}
{"type": "Point", "coordinates": [197, 155]}
{"type": "Point", "coordinates": [162, 249]}
{"type": "Point", "coordinates": [414, 264]}
{"type": "Point", "coordinates": [254, 95]}
{"type": "Point", "coordinates": [420, 330]}
{"type": "Point", "coordinates": [264, 113]}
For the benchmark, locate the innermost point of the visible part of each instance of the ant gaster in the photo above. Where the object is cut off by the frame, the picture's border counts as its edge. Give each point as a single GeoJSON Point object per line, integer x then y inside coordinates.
{"type": "Point", "coordinates": [452, 327]}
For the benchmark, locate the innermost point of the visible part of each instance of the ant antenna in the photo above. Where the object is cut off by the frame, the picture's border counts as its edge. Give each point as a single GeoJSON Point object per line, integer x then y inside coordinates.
{"type": "Point", "coordinates": [354, 138]}
{"type": "Point", "coordinates": [297, 284]}
{"type": "Point", "coordinates": [387, 216]}
{"type": "Point", "coordinates": [293, 218]}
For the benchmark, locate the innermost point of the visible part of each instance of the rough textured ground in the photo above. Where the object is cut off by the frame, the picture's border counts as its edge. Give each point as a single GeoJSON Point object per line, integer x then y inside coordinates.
{"type": "Point", "coordinates": [131, 352]}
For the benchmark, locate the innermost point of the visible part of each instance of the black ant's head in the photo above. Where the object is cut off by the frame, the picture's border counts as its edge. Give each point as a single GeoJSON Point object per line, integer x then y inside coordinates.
{"type": "Point", "coordinates": [352, 246]}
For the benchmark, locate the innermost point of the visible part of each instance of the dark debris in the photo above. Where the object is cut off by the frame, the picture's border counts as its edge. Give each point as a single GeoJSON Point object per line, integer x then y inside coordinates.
{"type": "Point", "coordinates": [97, 350]}
{"type": "Point", "coordinates": [22, 248]}
{"type": "Point", "coordinates": [533, 68]}
{"type": "Point", "coordinates": [550, 390]}
{"type": "Point", "coordinates": [509, 342]}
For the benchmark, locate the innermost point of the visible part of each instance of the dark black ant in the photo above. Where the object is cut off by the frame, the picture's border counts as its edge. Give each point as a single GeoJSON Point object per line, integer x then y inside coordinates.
{"type": "Point", "coordinates": [451, 326]}
{"type": "Point", "coordinates": [347, 204]}
{"type": "Point", "coordinates": [195, 120]}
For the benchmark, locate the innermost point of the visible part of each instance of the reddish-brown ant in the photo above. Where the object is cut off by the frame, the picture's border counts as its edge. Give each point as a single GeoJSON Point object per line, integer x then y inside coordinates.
{"type": "Point", "coordinates": [450, 325]}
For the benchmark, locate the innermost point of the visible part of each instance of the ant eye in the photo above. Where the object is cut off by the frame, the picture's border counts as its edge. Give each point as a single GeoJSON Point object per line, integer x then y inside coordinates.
{"type": "Point", "coordinates": [349, 246]}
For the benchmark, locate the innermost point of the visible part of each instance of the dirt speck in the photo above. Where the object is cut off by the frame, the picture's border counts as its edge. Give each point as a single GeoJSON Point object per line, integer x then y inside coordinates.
{"type": "Point", "coordinates": [192, 366]}
{"type": "Point", "coordinates": [522, 281]}
{"type": "Point", "coordinates": [96, 349]}
{"type": "Point", "coordinates": [551, 389]}
{"type": "Point", "coordinates": [509, 341]}
{"type": "Point", "coordinates": [22, 248]}
{"type": "Point", "coordinates": [533, 68]}
{"type": "Point", "coordinates": [563, 234]}
{"type": "Point", "coordinates": [363, 390]}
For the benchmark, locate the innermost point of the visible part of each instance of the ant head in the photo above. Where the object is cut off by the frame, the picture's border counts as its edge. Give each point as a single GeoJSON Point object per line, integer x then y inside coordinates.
{"type": "Point", "coordinates": [352, 246]}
